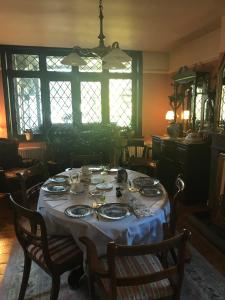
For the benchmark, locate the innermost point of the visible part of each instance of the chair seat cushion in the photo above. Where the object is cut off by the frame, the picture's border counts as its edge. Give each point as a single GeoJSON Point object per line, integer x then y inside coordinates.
{"type": "Point", "coordinates": [62, 250]}
{"type": "Point", "coordinates": [139, 265]}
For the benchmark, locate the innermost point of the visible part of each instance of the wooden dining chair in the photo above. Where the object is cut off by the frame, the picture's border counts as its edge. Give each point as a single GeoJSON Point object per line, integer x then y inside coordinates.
{"type": "Point", "coordinates": [54, 254]}
{"type": "Point", "coordinates": [171, 226]}
{"type": "Point", "coordinates": [31, 181]}
{"type": "Point", "coordinates": [137, 272]}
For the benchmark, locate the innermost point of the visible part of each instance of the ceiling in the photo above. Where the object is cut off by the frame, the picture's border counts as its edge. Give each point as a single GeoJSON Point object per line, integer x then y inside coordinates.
{"type": "Point", "coordinates": [148, 25]}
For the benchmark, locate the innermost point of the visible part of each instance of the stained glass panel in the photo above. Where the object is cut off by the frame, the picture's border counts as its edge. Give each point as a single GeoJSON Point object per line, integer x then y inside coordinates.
{"type": "Point", "coordinates": [54, 64]}
{"type": "Point", "coordinates": [60, 102]}
{"type": "Point", "coordinates": [27, 95]}
{"type": "Point", "coordinates": [25, 62]}
{"type": "Point", "coordinates": [94, 64]}
{"type": "Point", "coordinates": [91, 111]}
{"type": "Point", "coordinates": [120, 101]}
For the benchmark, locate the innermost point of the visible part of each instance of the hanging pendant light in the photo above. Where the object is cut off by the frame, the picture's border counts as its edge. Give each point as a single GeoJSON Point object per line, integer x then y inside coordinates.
{"type": "Point", "coordinates": [112, 57]}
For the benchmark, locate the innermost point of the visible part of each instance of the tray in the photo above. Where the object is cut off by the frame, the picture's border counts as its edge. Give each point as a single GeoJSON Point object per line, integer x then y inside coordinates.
{"type": "Point", "coordinates": [114, 211]}
{"type": "Point", "coordinates": [78, 211]}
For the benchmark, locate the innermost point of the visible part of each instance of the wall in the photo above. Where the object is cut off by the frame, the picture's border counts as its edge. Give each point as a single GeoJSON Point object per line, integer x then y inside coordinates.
{"type": "Point", "coordinates": [198, 51]}
{"type": "Point", "coordinates": [3, 130]}
{"type": "Point", "coordinates": [156, 89]}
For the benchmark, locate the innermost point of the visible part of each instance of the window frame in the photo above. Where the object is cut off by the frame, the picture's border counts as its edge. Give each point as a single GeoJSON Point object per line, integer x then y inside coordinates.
{"type": "Point", "coordinates": [75, 77]}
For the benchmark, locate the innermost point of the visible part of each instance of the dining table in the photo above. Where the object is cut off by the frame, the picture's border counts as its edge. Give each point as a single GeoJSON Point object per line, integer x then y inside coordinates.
{"type": "Point", "coordinates": [144, 202]}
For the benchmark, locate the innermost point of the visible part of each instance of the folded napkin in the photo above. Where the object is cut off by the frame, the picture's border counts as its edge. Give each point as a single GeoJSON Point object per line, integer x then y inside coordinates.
{"type": "Point", "coordinates": [142, 211]}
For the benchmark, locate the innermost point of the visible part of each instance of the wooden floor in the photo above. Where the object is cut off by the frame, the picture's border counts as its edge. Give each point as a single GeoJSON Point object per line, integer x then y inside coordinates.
{"type": "Point", "coordinates": [7, 237]}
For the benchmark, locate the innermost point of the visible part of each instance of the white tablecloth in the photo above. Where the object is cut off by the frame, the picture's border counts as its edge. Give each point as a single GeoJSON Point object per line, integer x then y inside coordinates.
{"type": "Point", "coordinates": [130, 230]}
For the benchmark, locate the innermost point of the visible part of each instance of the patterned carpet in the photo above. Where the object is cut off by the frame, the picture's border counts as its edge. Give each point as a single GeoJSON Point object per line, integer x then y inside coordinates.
{"type": "Point", "coordinates": [202, 281]}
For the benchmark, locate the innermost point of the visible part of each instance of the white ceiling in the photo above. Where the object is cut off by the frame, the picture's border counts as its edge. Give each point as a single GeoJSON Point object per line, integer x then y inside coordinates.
{"type": "Point", "coordinates": [149, 25]}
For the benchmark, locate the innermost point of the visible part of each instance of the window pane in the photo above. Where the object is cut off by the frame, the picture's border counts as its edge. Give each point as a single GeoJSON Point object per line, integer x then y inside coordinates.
{"type": "Point", "coordinates": [61, 102]}
{"type": "Point", "coordinates": [198, 105]}
{"type": "Point", "coordinates": [128, 68]}
{"type": "Point", "coordinates": [54, 64]}
{"type": "Point", "coordinates": [27, 94]}
{"type": "Point", "coordinates": [120, 101]}
{"type": "Point", "coordinates": [222, 105]}
{"type": "Point", "coordinates": [91, 110]}
{"type": "Point", "coordinates": [25, 62]}
{"type": "Point", "coordinates": [94, 64]}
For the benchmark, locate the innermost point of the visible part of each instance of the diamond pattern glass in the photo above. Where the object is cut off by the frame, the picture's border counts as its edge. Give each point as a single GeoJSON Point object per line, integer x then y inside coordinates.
{"type": "Point", "coordinates": [27, 95]}
{"type": "Point", "coordinates": [91, 111]}
{"type": "Point", "coordinates": [54, 64]}
{"type": "Point", "coordinates": [25, 62]}
{"type": "Point", "coordinates": [128, 68]}
{"type": "Point", "coordinates": [94, 64]}
{"type": "Point", "coordinates": [222, 105]}
{"type": "Point", "coordinates": [60, 102]}
{"type": "Point", "coordinates": [198, 104]}
{"type": "Point", "coordinates": [120, 101]}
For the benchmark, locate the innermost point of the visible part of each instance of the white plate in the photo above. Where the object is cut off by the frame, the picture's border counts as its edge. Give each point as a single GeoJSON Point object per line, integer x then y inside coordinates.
{"type": "Point", "coordinates": [114, 170]}
{"type": "Point", "coordinates": [114, 211]}
{"type": "Point", "coordinates": [104, 186]}
{"type": "Point", "coordinates": [151, 192]}
{"type": "Point", "coordinates": [55, 188]}
{"type": "Point", "coordinates": [96, 180]}
{"type": "Point", "coordinates": [78, 211]}
{"type": "Point", "coordinates": [59, 179]}
{"type": "Point", "coordinates": [95, 169]}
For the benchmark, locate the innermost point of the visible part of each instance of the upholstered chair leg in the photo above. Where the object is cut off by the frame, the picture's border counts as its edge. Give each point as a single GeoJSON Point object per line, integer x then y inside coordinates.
{"type": "Point", "coordinates": [26, 273]}
{"type": "Point", "coordinates": [55, 287]}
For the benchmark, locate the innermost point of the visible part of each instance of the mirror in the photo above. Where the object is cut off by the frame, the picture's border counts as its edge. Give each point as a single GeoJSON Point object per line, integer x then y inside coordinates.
{"type": "Point", "coordinates": [220, 98]}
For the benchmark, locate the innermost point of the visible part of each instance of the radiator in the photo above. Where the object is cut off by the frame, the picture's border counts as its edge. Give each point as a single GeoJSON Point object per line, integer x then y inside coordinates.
{"type": "Point", "coordinates": [32, 153]}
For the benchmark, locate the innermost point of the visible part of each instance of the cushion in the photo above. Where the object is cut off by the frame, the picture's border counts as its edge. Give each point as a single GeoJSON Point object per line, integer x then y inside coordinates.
{"type": "Point", "coordinates": [139, 265]}
{"type": "Point", "coordinates": [62, 249]}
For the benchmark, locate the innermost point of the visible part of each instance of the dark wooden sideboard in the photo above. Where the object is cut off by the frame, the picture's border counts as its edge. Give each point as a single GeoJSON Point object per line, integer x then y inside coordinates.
{"type": "Point", "coordinates": [192, 160]}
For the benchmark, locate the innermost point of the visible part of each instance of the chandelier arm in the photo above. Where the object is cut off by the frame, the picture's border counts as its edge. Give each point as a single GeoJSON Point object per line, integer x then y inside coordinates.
{"type": "Point", "coordinates": [101, 35]}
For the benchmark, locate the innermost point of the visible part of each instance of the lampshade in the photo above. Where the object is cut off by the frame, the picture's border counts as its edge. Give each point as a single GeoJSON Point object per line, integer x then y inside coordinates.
{"type": "Point", "coordinates": [73, 59]}
{"type": "Point", "coordinates": [112, 57]}
{"type": "Point", "coordinates": [186, 115]}
{"type": "Point", "coordinates": [170, 115]}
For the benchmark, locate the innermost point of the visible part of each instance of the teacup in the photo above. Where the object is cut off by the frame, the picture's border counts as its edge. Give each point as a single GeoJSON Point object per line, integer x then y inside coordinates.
{"type": "Point", "coordinates": [77, 187]}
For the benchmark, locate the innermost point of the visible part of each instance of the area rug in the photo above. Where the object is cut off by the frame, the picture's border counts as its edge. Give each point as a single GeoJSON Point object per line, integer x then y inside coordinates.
{"type": "Point", "coordinates": [202, 281]}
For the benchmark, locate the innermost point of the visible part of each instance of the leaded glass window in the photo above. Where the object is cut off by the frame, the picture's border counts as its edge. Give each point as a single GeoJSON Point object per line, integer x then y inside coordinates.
{"type": "Point", "coordinates": [91, 111]}
{"type": "Point", "coordinates": [54, 64]}
{"type": "Point", "coordinates": [222, 105]}
{"type": "Point", "coordinates": [120, 101]}
{"type": "Point", "coordinates": [25, 62]}
{"type": "Point", "coordinates": [27, 95]}
{"type": "Point", "coordinates": [60, 102]}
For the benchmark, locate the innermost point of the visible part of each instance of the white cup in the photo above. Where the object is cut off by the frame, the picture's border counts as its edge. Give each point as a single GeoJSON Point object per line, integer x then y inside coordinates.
{"type": "Point", "coordinates": [77, 187]}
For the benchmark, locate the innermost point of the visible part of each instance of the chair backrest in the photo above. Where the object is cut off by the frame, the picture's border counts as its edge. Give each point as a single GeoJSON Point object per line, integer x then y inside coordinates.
{"type": "Point", "coordinates": [179, 186]}
{"type": "Point", "coordinates": [174, 273]}
{"type": "Point", "coordinates": [9, 157]}
{"type": "Point", "coordinates": [30, 229]}
{"type": "Point", "coordinates": [30, 182]}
